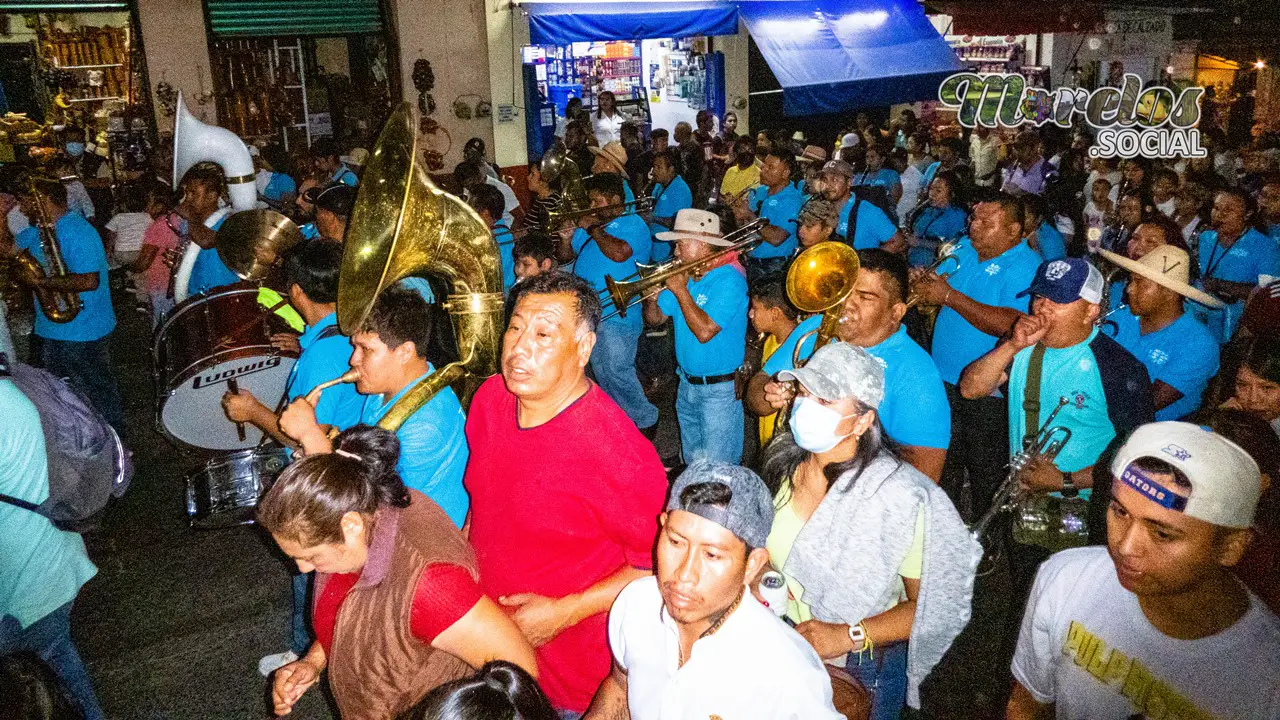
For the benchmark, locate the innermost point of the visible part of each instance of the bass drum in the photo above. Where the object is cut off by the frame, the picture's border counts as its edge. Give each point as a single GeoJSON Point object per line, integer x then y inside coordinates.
{"type": "Point", "coordinates": [225, 492]}
{"type": "Point", "coordinates": [211, 344]}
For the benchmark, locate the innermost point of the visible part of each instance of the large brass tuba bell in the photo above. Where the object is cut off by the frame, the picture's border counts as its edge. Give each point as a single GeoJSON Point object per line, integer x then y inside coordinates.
{"type": "Point", "coordinates": [819, 280]}
{"type": "Point", "coordinates": [402, 225]}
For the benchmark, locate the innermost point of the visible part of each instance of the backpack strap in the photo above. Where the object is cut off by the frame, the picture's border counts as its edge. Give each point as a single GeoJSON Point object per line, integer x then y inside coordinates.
{"type": "Point", "coordinates": [1031, 395]}
{"type": "Point", "coordinates": [19, 502]}
{"type": "Point", "coordinates": [331, 331]}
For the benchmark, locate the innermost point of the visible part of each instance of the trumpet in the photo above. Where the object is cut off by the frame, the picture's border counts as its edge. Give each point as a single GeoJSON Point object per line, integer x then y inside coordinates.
{"type": "Point", "coordinates": [624, 293]}
{"type": "Point", "coordinates": [946, 251]}
{"type": "Point", "coordinates": [1045, 444]}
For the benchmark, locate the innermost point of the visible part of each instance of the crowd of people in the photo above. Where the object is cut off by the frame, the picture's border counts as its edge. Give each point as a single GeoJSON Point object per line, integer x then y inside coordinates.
{"type": "Point", "coordinates": [1049, 395]}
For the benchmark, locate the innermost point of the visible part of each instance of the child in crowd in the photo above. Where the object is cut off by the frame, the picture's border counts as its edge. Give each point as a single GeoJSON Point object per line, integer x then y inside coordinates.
{"type": "Point", "coordinates": [534, 254]}
{"type": "Point", "coordinates": [159, 239]}
{"type": "Point", "coordinates": [125, 229]}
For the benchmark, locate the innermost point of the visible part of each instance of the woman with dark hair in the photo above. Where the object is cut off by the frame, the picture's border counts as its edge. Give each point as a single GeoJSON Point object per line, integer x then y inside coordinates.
{"type": "Point", "coordinates": [499, 691]}
{"type": "Point", "coordinates": [1231, 257]}
{"type": "Point", "coordinates": [941, 220]}
{"type": "Point", "coordinates": [854, 529]}
{"type": "Point", "coordinates": [397, 609]}
{"type": "Point", "coordinates": [1257, 389]}
{"type": "Point", "coordinates": [607, 123]}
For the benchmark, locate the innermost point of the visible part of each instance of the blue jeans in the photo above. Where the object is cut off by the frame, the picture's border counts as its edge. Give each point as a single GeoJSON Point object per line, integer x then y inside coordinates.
{"type": "Point", "coordinates": [300, 640]}
{"type": "Point", "coordinates": [613, 362]}
{"type": "Point", "coordinates": [711, 425]}
{"type": "Point", "coordinates": [88, 366]}
{"type": "Point", "coordinates": [884, 676]}
{"type": "Point", "coordinates": [50, 639]}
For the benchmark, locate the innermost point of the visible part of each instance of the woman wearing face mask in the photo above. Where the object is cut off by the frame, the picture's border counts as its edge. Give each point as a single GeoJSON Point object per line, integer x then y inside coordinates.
{"type": "Point", "coordinates": [853, 530]}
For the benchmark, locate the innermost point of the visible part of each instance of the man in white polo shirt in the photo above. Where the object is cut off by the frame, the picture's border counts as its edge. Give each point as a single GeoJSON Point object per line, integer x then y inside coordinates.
{"type": "Point", "coordinates": [1155, 625]}
{"type": "Point", "coordinates": [692, 641]}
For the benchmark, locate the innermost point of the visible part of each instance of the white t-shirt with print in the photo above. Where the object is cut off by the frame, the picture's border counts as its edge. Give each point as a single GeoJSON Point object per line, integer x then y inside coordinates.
{"type": "Point", "coordinates": [1086, 646]}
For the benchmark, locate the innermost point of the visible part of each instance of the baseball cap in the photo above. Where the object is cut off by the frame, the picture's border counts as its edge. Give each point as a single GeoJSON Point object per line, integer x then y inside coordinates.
{"type": "Point", "coordinates": [840, 370]}
{"type": "Point", "coordinates": [749, 512]}
{"type": "Point", "coordinates": [1225, 481]}
{"type": "Point", "coordinates": [850, 140]}
{"type": "Point", "coordinates": [838, 167]}
{"type": "Point", "coordinates": [336, 197]}
{"type": "Point", "coordinates": [1067, 280]}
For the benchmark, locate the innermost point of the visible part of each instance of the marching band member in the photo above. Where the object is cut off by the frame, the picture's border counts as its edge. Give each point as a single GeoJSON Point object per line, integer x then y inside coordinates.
{"type": "Point", "coordinates": [202, 189]}
{"type": "Point", "coordinates": [77, 349]}
{"type": "Point", "coordinates": [773, 316]}
{"type": "Point", "coordinates": [327, 159]}
{"type": "Point", "coordinates": [777, 201]}
{"type": "Point", "coordinates": [817, 223]}
{"type": "Point", "coordinates": [333, 204]}
{"type": "Point", "coordinates": [744, 173]}
{"type": "Point", "coordinates": [979, 304]}
{"type": "Point", "coordinates": [710, 312]}
{"type": "Point", "coordinates": [862, 224]}
{"type": "Point", "coordinates": [875, 174]}
{"type": "Point", "coordinates": [566, 492]}
{"type": "Point", "coordinates": [398, 609]}
{"type": "Point", "coordinates": [671, 195]}
{"type": "Point", "coordinates": [942, 220]}
{"type": "Point", "coordinates": [534, 254]}
{"type": "Point", "coordinates": [610, 243]}
{"type": "Point", "coordinates": [487, 201]}
{"type": "Point", "coordinates": [612, 160]}
{"type": "Point", "coordinates": [1232, 257]}
{"type": "Point", "coordinates": [389, 352]}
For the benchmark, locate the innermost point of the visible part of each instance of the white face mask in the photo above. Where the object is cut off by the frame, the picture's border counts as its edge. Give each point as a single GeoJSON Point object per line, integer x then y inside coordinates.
{"type": "Point", "coordinates": [814, 425]}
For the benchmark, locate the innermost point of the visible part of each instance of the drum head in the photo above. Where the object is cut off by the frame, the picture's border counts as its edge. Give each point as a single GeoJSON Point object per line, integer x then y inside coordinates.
{"type": "Point", "coordinates": [225, 492]}
{"type": "Point", "coordinates": [192, 412]}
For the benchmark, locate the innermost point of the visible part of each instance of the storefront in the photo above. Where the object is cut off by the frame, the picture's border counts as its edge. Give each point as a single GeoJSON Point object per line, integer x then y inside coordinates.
{"type": "Point", "coordinates": [290, 72]}
{"type": "Point", "coordinates": [72, 74]}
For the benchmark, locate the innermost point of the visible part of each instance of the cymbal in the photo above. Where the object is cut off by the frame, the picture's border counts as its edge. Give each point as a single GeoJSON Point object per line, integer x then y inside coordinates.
{"type": "Point", "coordinates": [251, 241]}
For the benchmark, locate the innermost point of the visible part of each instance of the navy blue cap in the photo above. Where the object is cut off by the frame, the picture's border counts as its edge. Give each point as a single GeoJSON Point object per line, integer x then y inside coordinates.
{"type": "Point", "coordinates": [1066, 280]}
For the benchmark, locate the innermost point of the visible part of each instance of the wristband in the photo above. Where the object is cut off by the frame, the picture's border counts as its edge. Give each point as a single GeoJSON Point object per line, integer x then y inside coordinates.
{"type": "Point", "coordinates": [1069, 485]}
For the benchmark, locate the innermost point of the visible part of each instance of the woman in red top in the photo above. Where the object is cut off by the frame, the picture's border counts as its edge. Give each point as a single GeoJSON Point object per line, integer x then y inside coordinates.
{"type": "Point", "coordinates": [397, 609]}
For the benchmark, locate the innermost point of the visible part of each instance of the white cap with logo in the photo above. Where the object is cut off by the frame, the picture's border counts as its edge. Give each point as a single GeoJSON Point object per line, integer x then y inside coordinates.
{"type": "Point", "coordinates": [1225, 481]}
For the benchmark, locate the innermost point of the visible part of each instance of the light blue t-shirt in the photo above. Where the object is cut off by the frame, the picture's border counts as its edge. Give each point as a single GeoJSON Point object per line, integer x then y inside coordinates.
{"type": "Point", "coordinates": [41, 567]}
{"type": "Point", "coordinates": [914, 410]}
{"type": "Point", "coordinates": [780, 209]}
{"type": "Point", "coordinates": [506, 245]}
{"type": "Point", "coordinates": [936, 224]}
{"type": "Point", "coordinates": [995, 282]}
{"type": "Point", "coordinates": [886, 178]}
{"type": "Point", "coordinates": [433, 447]}
{"type": "Point", "coordinates": [278, 186]}
{"type": "Point", "coordinates": [593, 265]}
{"type": "Point", "coordinates": [1252, 255]}
{"type": "Point", "coordinates": [1053, 246]}
{"type": "Point", "coordinates": [345, 176]}
{"type": "Point", "coordinates": [324, 359]}
{"type": "Point", "coordinates": [722, 295]}
{"type": "Point", "coordinates": [872, 228]}
{"type": "Point", "coordinates": [83, 252]}
{"type": "Point", "coordinates": [782, 358]}
{"type": "Point", "coordinates": [1182, 355]}
{"type": "Point", "coordinates": [671, 199]}
{"type": "Point", "coordinates": [209, 272]}
{"type": "Point", "coordinates": [309, 231]}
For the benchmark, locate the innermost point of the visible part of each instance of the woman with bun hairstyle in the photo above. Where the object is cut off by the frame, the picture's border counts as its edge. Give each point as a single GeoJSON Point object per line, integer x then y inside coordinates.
{"type": "Point", "coordinates": [500, 691]}
{"type": "Point", "coordinates": [397, 608]}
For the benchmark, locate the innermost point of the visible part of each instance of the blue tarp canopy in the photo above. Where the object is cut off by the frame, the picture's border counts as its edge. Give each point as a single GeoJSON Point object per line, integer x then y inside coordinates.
{"type": "Point", "coordinates": [832, 55]}
{"type": "Point", "coordinates": [561, 23]}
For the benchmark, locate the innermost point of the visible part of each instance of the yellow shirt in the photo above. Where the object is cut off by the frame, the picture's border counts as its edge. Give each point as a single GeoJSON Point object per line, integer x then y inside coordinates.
{"type": "Point", "coordinates": [736, 179]}
{"type": "Point", "coordinates": [782, 537]}
{"type": "Point", "coordinates": [768, 422]}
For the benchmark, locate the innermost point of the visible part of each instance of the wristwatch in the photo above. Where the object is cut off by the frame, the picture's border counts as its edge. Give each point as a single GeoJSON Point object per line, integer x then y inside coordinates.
{"type": "Point", "coordinates": [857, 636]}
{"type": "Point", "coordinates": [1069, 485]}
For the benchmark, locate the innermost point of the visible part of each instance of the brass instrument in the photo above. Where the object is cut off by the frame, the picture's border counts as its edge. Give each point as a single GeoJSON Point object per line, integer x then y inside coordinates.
{"type": "Point", "coordinates": [651, 278]}
{"type": "Point", "coordinates": [557, 217]}
{"type": "Point", "coordinates": [402, 225]}
{"type": "Point", "coordinates": [250, 243]}
{"type": "Point", "coordinates": [59, 307]}
{"type": "Point", "coordinates": [1045, 444]}
{"type": "Point", "coordinates": [946, 251]}
{"type": "Point", "coordinates": [909, 220]}
{"type": "Point", "coordinates": [819, 280]}
{"type": "Point", "coordinates": [732, 200]}
{"type": "Point", "coordinates": [558, 169]}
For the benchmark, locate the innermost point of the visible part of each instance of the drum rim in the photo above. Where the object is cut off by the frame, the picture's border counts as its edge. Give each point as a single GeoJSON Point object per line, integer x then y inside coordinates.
{"type": "Point", "coordinates": [163, 399]}
{"type": "Point", "coordinates": [189, 303]}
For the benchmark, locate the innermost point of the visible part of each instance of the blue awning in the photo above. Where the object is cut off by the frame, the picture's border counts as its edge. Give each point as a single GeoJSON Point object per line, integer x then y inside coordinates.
{"type": "Point", "coordinates": [834, 55]}
{"type": "Point", "coordinates": [561, 23]}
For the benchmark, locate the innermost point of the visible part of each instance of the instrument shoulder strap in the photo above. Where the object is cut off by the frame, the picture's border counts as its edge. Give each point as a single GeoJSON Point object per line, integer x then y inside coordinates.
{"type": "Point", "coordinates": [1031, 394]}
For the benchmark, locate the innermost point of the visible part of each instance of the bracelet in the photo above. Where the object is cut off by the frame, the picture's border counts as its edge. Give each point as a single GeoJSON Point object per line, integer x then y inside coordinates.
{"type": "Point", "coordinates": [947, 297]}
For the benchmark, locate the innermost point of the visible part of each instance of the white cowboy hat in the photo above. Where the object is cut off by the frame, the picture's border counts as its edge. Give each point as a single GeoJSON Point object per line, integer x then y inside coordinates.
{"type": "Point", "coordinates": [1168, 266]}
{"type": "Point", "coordinates": [698, 225]}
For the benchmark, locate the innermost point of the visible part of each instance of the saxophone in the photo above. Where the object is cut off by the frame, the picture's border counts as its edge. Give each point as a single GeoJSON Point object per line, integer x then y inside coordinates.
{"type": "Point", "coordinates": [59, 307]}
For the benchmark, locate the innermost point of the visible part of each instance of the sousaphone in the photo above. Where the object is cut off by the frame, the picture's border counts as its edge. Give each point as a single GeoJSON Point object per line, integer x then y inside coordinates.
{"type": "Point", "coordinates": [402, 226]}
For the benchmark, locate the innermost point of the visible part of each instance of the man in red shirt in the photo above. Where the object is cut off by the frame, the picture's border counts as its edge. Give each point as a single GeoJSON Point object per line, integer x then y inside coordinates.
{"type": "Point", "coordinates": [565, 490]}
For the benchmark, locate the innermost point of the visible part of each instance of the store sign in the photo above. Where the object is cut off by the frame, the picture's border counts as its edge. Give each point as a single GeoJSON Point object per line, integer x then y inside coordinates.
{"type": "Point", "coordinates": [1140, 34]}
{"type": "Point", "coordinates": [1156, 122]}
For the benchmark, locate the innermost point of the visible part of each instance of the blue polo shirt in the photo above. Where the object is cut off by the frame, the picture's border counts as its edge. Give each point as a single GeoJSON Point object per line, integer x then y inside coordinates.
{"type": "Point", "coordinates": [309, 231]}
{"type": "Point", "coordinates": [593, 265]}
{"type": "Point", "coordinates": [41, 567]}
{"type": "Point", "coordinates": [1252, 255]}
{"type": "Point", "coordinates": [671, 199]}
{"type": "Point", "coordinates": [940, 224]}
{"type": "Point", "coordinates": [781, 359]}
{"type": "Point", "coordinates": [780, 209]}
{"type": "Point", "coordinates": [1182, 355]}
{"type": "Point", "coordinates": [506, 244]}
{"type": "Point", "coordinates": [872, 228]}
{"type": "Point", "coordinates": [83, 252]}
{"type": "Point", "coordinates": [209, 272]}
{"type": "Point", "coordinates": [323, 359]}
{"type": "Point", "coordinates": [722, 294]}
{"type": "Point", "coordinates": [345, 176]}
{"type": "Point", "coordinates": [995, 282]}
{"type": "Point", "coordinates": [886, 178]}
{"type": "Point", "coordinates": [1053, 246]}
{"type": "Point", "coordinates": [433, 447]}
{"type": "Point", "coordinates": [278, 186]}
{"type": "Point", "coordinates": [914, 410]}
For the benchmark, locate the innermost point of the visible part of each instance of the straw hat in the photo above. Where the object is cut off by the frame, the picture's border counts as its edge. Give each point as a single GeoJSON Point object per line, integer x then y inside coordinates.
{"type": "Point", "coordinates": [614, 153]}
{"type": "Point", "coordinates": [1167, 266]}
{"type": "Point", "coordinates": [698, 225]}
{"type": "Point", "coordinates": [812, 154]}
{"type": "Point", "coordinates": [357, 157]}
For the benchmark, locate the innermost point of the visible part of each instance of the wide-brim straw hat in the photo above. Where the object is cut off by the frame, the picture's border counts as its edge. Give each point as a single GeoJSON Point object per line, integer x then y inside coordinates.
{"type": "Point", "coordinates": [1168, 266]}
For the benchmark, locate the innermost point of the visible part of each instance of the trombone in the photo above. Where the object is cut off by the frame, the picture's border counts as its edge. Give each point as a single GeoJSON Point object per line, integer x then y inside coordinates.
{"type": "Point", "coordinates": [650, 278]}
{"type": "Point", "coordinates": [558, 216]}
{"type": "Point", "coordinates": [946, 251]}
